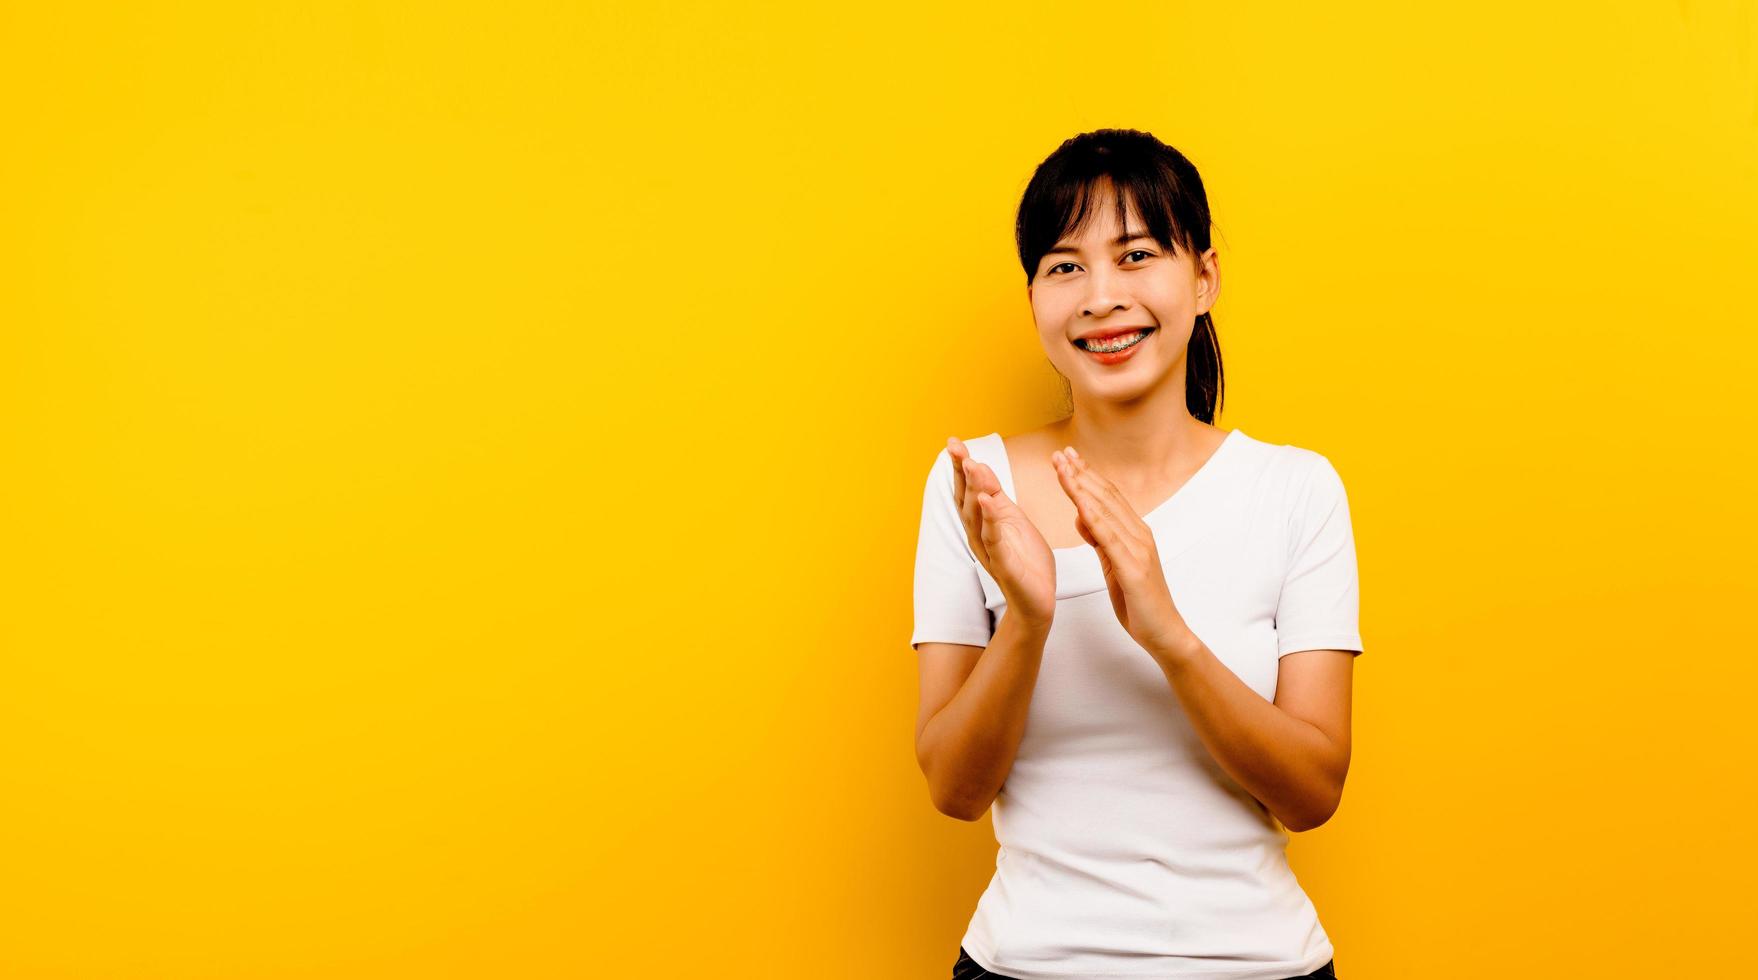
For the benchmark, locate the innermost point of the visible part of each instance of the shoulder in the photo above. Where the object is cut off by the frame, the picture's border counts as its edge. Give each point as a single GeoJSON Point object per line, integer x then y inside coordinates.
{"type": "Point", "coordinates": [985, 449]}
{"type": "Point", "coordinates": [1316, 493]}
{"type": "Point", "coordinates": [1298, 467]}
{"type": "Point", "coordinates": [1296, 482]}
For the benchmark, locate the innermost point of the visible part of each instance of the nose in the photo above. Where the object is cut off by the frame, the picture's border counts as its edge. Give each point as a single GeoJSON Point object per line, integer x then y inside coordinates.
{"type": "Point", "coordinates": [1104, 294]}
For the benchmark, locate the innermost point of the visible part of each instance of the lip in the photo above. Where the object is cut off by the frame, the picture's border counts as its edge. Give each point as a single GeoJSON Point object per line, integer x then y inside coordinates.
{"type": "Point", "coordinates": [1118, 357]}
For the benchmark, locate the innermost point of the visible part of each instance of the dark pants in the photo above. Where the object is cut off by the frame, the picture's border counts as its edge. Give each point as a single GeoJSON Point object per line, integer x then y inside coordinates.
{"type": "Point", "coordinates": [968, 969]}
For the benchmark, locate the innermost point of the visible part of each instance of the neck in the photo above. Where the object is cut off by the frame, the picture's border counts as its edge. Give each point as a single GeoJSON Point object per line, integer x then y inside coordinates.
{"type": "Point", "coordinates": [1138, 443]}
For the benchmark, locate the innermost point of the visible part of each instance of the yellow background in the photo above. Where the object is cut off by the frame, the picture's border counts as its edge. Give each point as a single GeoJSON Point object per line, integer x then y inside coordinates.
{"type": "Point", "coordinates": [462, 465]}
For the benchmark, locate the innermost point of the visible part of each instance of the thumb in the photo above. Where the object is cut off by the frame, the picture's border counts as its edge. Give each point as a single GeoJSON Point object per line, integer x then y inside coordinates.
{"type": "Point", "coordinates": [995, 508]}
{"type": "Point", "coordinates": [995, 504]}
{"type": "Point", "coordinates": [994, 528]}
{"type": "Point", "coordinates": [998, 512]}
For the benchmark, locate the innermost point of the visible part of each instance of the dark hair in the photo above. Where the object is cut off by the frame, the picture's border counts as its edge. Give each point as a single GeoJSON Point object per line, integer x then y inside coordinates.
{"type": "Point", "coordinates": [1168, 193]}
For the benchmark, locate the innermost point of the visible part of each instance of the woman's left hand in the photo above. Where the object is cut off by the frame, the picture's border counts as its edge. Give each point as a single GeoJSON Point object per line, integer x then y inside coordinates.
{"type": "Point", "coordinates": [1131, 562]}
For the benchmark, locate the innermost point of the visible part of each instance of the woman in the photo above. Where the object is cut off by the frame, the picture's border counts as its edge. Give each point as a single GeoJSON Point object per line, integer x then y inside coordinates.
{"type": "Point", "coordinates": [1136, 631]}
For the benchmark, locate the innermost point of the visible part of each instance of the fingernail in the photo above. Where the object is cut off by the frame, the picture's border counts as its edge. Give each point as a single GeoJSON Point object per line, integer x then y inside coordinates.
{"type": "Point", "coordinates": [1071, 452]}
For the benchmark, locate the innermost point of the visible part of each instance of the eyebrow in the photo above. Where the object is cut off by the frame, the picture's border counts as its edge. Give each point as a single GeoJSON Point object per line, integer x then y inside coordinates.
{"type": "Point", "coordinates": [1123, 239]}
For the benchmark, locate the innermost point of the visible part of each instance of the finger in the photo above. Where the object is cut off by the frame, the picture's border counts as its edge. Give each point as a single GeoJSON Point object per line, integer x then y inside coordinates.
{"type": "Point", "coordinates": [959, 454]}
{"type": "Point", "coordinates": [1130, 529]}
{"type": "Point", "coordinates": [1065, 476]}
{"type": "Point", "coordinates": [986, 506]}
{"type": "Point", "coordinates": [986, 480]}
{"type": "Point", "coordinates": [966, 483]}
{"type": "Point", "coordinates": [969, 511]}
{"type": "Point", "coordinates": [1093, 510]}
{"type": "Point", "coordinates": [963, 500]}
{"type": "Point", "coordinates": [973, 483]}
{"type": "Point", "coordinates": [992, 504]}
{"type": "Point", "coordinates": [986, 484]}
{"type": "Point", "coordinates": [995, 538]}
{"type": "Point", "coordinates": [1085, 533]}
{"type": "Point", "coordinates": [1100, 486]}
{"type": "Point", "coordinates": [997, 530]}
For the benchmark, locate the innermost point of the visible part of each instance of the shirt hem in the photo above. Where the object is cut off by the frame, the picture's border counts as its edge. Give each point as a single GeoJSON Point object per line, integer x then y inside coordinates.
{"type": "Point", "coordinates": [983, 959]}
{"type": "Point", "coordinates": [972, 638]}
{"type": "Point", "coordinates": [1334, 641]}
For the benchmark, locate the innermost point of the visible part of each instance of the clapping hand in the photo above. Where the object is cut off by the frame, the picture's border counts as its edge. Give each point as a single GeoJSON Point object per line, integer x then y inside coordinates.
{"type": "Point", "coordinates": [1128, 556]}
{"type": "Point", "coordinates": [1004, 539]}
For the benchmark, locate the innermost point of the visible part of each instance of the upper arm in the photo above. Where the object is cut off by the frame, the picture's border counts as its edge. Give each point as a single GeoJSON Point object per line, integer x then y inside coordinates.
{"type": "Point", "coordinates": [953, 625]}
{"type": "Point", "coordinates": [949, 602]}
{"type": "Point", "coordinates": [944, 668]}
{"type": "Point", "coordinates": [1316, 687]}
{"type": "Point", "coordinates": [1319, 604]}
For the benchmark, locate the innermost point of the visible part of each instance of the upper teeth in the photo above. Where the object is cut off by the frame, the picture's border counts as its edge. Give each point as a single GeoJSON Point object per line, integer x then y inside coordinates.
{"type": "Point", "coordinates": [1114, 343]}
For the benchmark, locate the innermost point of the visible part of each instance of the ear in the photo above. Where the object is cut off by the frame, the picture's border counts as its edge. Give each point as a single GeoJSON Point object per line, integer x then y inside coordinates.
{"type": "Point", "coordinates": [1208, 281]}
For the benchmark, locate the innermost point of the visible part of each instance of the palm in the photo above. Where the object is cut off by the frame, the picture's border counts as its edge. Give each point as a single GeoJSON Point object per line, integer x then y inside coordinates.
{"type": "Point", "coordinates": [1028, 560]}
{"type": "Point", "coordinates": [1004, 540]}
{"type": "Point", "coordinates": [1112, 585]}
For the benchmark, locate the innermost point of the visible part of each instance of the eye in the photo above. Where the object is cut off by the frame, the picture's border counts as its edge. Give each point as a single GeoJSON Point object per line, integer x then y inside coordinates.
{"type": "Point", "coordinates": [1139, 251]}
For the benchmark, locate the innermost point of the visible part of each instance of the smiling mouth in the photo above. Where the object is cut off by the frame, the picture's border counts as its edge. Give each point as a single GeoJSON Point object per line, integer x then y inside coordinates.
{"type": "Point", "coordinates": [1111, 345]}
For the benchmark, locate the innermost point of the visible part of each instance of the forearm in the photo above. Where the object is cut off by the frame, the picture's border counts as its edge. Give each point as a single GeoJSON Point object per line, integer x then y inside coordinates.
{"type": "Point", "coordinates": [1289, 765]}
{"type": "Point", "coordinates": [968, 746]}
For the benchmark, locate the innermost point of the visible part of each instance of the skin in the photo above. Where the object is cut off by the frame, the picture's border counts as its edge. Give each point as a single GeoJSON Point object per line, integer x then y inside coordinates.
{"type": "Point", "coordinates": [1129, 444]}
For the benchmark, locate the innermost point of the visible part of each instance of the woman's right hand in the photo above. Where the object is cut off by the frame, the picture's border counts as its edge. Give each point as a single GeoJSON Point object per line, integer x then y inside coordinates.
{"type": "Point", "coordinates": [1004, 539]}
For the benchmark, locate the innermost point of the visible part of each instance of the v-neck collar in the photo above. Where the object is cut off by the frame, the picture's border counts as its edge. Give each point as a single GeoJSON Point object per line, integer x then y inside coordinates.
{"type": "Point", "coordinates": [1078, 571]}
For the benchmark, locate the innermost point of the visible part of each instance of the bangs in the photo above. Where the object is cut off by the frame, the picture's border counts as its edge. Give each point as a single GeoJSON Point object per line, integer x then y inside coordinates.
{"type": "Point", "coordinates": [1066, 192]}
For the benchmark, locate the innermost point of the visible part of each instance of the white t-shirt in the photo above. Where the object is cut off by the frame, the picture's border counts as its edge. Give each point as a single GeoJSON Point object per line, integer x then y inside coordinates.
{"type": "Point", "coordinates": [1125, 850]}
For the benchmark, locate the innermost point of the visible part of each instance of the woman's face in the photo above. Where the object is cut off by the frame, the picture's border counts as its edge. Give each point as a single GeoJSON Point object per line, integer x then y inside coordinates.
{"type": "Point", "coordinates": [1096, 286]}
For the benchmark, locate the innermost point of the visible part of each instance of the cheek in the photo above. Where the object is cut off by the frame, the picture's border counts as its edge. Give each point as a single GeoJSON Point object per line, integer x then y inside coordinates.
{"type": "Point", "coordinates": [1056, 309]}
{"type": "Point", "coordinates": [1173, 315]}
{"type": "Point", "coordinates": [1052, 322]}
{"type": "Point", "coordinates": [1169, 298]}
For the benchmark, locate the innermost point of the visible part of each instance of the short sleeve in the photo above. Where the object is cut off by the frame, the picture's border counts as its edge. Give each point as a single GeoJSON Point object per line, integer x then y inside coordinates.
{"type": "Point", "coordinates": [1319, 607]}
{"type": "Point", "coordinates": [948, 592]}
